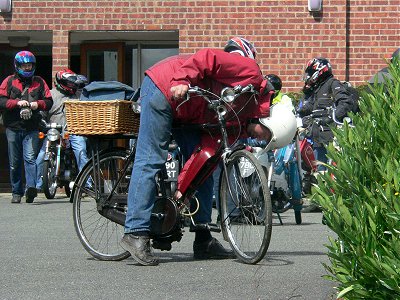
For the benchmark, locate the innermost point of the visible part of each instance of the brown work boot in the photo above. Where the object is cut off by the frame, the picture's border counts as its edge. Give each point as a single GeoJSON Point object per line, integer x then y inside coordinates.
{"type": "Point", "coordinates": [139, 248]}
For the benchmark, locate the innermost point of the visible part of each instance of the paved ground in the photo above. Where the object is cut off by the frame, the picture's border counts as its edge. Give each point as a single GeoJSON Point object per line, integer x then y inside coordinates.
{"type": "Point", "coordinates": [42, 258]}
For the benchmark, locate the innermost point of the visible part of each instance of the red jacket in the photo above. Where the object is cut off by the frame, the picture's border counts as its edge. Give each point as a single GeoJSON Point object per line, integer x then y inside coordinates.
{"type": "Point", "coordinates": [210, 69]}
{"type": "Point", "coordinates": [11, 92]}
{"type": "Point", "coordinates": [213, 69]}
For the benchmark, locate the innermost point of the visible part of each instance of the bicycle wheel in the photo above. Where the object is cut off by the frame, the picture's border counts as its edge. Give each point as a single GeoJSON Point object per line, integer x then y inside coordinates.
{"type": "Point", "coordinates": [99, 235]}
{"type": "Point", "coordinates": [246, 207]}
{"type": "Point", "coordinates": [49, 177]}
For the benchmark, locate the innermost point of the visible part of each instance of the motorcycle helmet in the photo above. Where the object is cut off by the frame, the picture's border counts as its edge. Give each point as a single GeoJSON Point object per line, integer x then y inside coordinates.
{"type": "Point", "coordinates": [241, 46]}
{"type": "Point", "coordinates": [275, 81]}
{"type": "Point", "coordinates": [24, 57]}
{"type": "Point", "coordinates": [68, 82]}
{"type": "Point", "coordinates": [316, 71]}
{"type": "Point", "coordinates": [282, 124]}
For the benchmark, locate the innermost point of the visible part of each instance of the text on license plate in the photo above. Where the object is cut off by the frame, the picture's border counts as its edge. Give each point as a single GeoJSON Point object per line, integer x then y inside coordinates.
{"type": "Point", "coordinates": [172, 167]}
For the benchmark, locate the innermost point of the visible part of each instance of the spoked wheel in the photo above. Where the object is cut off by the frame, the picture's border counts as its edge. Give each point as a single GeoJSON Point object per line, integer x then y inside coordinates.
{"type": "Point", "coordinates": [246, 207]}
{"type": "Point", "coordinates": [99, 235]}
{"type": "Point", "coordinates": [49, 177]}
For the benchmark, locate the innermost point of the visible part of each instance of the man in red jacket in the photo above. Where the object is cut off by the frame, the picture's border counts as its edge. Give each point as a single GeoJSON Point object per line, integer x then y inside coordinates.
{"type": "Point", "coordinates": [22, 97]}
{"type": "Point", "coordinates": [162, 92]}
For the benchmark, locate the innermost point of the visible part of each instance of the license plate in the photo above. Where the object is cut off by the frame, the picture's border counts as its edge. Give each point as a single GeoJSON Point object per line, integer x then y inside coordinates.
{"type": "Point", "coordinates": [172, 167]}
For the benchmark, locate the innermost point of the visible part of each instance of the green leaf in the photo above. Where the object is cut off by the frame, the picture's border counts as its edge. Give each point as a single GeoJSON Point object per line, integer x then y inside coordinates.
{"type": "Point", "coordinates": [345, 291]}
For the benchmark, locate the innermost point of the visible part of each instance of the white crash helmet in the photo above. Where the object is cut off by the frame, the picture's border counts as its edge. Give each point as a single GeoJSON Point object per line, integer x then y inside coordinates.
{"type": "Point", "coordinates": [282, 124]}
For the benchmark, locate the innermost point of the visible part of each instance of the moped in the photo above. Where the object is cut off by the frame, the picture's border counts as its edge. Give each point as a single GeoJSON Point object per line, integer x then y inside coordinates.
{"type": "Point", "coordinates": [59, 166]}
{"type": "Point", "coordinates": [99, 208]}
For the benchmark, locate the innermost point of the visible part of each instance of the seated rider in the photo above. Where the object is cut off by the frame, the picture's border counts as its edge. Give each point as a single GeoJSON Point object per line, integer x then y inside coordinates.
{"type": "Point", "coordinates": [323, 91]}
{"type": "Point", "coordinates": [162, 91]}
{"type": "Point", "coordinates": [67, 85]}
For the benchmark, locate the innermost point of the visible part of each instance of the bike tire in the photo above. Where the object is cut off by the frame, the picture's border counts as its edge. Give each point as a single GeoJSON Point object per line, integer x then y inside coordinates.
{"type": "Point", "coordinates": [49, 177]}
{"type": "Point", "coordinates": [246, 225]}
{"type": "Point", "coordinates": [99, 236]}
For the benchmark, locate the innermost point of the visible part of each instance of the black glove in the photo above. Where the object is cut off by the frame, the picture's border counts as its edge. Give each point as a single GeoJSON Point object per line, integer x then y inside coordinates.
{"type": "Point", "coordinates": [325, 121]}
{"type": "Point", "coordinates": [301, 112]}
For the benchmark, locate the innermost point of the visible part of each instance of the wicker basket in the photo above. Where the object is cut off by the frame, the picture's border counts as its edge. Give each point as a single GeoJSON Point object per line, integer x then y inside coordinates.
{"type": "Point", "coordinates": [101, 117]}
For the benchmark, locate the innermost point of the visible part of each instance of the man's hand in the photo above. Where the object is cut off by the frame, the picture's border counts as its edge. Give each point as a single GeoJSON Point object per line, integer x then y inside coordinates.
{"type": "Point", "coordinates": [34, 105]}
{"type": "Point", "coordinates": [23, 103]}
{"type": "Point", "coordinates": [179, 91]}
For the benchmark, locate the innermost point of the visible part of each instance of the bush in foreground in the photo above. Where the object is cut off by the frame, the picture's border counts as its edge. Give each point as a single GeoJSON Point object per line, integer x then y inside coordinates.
{"type": "Point", "coordinates": [360, 197]}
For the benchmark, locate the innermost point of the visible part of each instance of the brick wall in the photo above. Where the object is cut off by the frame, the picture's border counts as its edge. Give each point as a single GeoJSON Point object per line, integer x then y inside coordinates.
{"type": "Point", "coordinates": [355, 35]}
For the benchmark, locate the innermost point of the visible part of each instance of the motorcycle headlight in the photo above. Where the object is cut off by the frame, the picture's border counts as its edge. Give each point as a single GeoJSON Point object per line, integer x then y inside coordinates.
{"type": "Point", "coordinates": [53, 135]}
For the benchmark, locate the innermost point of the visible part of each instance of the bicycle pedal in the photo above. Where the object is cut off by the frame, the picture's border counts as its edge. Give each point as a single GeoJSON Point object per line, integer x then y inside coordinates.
{"type": "Point", "coordinates": [209, 226]}
{"type": "Point", "coordinates": [214, 227]}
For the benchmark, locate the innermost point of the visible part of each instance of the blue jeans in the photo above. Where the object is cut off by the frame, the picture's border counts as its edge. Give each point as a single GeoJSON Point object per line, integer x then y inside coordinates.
{"type": "Point", "coordinates": [151, 154]}
{"type": "Point", "coordinates": [78, 145]}
{"type": "Point", "coordinates": [320, 155]}
{"type": "Point", "coordinates": [22, 149]}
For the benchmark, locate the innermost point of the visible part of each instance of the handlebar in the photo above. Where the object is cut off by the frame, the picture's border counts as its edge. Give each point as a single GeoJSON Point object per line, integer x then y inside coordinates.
{"type": "Point", "coordinates": [225, 93]}
{"type": "Point", "coordinates": [51, 125]}
{"type": "Point", "coordinates": [228, 95]}
{"type": "Point", "coordinates": [330, 112]}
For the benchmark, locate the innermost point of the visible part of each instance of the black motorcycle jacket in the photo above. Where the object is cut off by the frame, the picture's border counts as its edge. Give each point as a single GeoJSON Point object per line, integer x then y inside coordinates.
{"type": "Point", "coordinates": [13, 89]}
{"type": "Point", "coordinates": [328, 93]}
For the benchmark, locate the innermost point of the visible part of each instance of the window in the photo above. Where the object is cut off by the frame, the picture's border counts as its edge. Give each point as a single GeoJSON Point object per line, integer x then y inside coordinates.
{"type": "Point", "coordinates": [146, 55]}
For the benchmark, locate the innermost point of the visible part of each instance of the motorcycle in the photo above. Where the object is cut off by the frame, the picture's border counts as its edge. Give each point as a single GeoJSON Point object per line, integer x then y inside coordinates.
{"type": "Point", "coordinates": [59, 165]}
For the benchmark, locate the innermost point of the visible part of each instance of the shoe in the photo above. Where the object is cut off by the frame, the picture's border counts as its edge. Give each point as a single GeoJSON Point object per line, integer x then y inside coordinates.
{"type": "Point", "coordinates": [16, 198]}
{"type": "Point", "coordinates": [139, 248]}
{"type": "Point", "coordinates": [211, 249]}
{"type": "Point", "coordinates": [30, 194]}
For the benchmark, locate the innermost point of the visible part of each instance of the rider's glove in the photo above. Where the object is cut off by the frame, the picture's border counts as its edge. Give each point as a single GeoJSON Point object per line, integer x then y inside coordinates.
{"type": "Point", "coordinates": [301, 112]}
{"type": "Point", "coordinates": [25, 113]}
{"type": "Point", "coordinates": [325, 121]}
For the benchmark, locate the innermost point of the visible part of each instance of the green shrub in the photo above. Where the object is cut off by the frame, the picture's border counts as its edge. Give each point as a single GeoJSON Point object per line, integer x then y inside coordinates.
{"type": "Point", "coordinates": [360, 197]}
